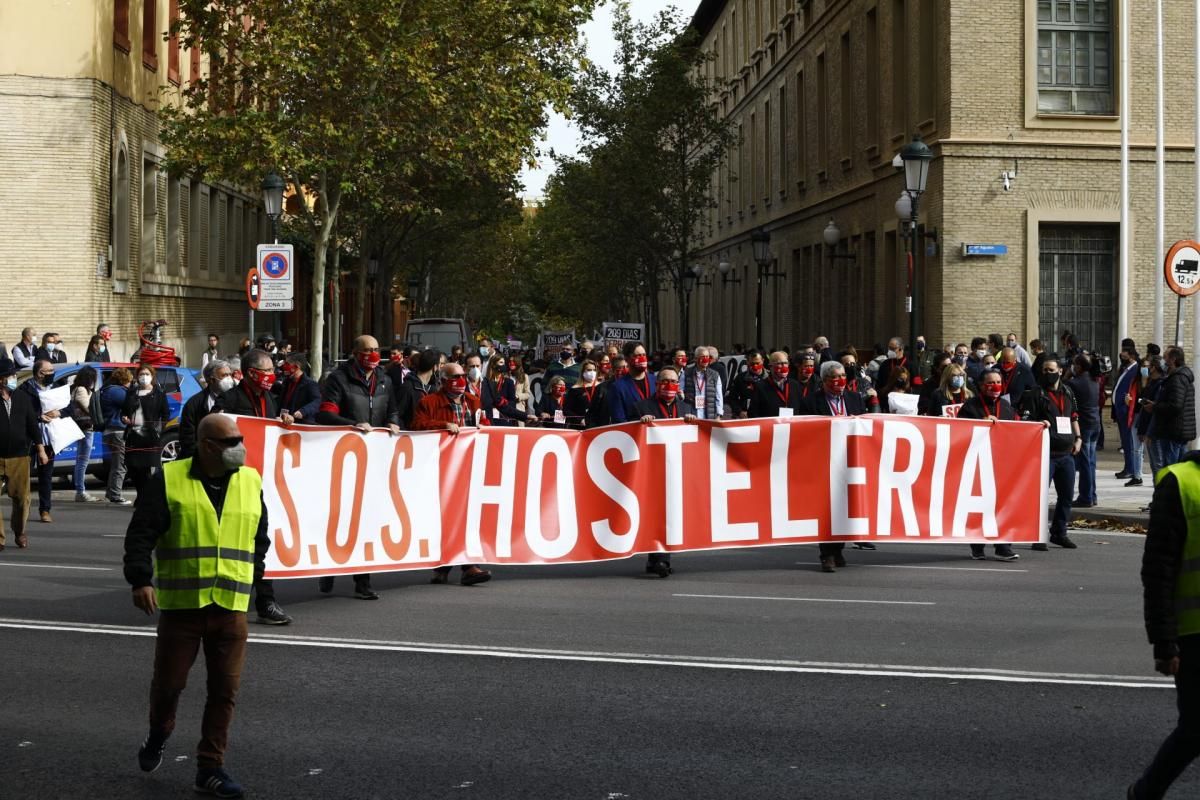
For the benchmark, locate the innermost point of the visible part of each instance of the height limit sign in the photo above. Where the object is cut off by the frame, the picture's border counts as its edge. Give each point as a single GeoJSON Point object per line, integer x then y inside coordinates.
{"type": "Point", "coordinates": [276, 277]}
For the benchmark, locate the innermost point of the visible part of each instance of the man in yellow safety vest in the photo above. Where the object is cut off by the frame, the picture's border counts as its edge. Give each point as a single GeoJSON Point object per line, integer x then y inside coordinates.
{"type": "Point", "coordinates": [1171, 590]}
{"type": "Point", "coordinates": [204, 521]}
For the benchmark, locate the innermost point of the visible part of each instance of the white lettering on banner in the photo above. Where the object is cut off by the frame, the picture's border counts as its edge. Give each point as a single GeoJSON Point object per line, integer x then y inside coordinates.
{"type": "Point", "coordinates": [413, 481]}
{"type": "Point", "coordinates": [673, 439]}
{"type": "Point", "coordinates": [722, 482]}
{"type": "Point", "coordinates": [616, 491]}
{"type": "Point", "coordinates": [937, 485]}
{"type": "Point", "coordinates": [562, 500]}
{"type": "Point", "coordinates": [842, 476]}
{"type": "Point", "coordinates": [901, 483]}
{"type": "Point", "coordinates": [951, 410]}
{"type": "Point", "coordinates": [499, 494]}
{"type": "Point", "coordinates": [977, 465]}
{"type": "Point", "coordinates": [782, 525]}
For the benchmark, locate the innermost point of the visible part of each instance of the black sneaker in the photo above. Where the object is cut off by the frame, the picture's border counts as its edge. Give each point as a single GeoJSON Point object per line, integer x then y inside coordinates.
{"type": "Point", "coordinates": [1006, 554]}
{"type": "Point", "coordinates": [150, 754]}
{"type": "Point", "coordinates": [1063, 541]}
{"type": "Point", "coordinates": [365, 593]}
{"type": "Point", "coordinates": [1122, 474]}
{"type": "Point", "coordinates": [1134, 482]}
{"type": "Point", "coordinates": [325, 585]}
{"type": "Point", "coordinates": [1041, 547]}
{"type": "Point", "coordinates": [217, 782]}
{"type": "Point", "coordinates": [865, 546]}
{"type": "Point", "coordinates": [978, 555]}
{"type": "Point", "coordinates": [660, 568]}
{"type": "Point", "coordinates": [272, 614]}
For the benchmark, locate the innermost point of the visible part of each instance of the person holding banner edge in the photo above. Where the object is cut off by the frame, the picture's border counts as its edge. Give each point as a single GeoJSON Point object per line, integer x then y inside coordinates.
{"type": "Point", "coordinates": [991, 405]}
{"type": "Point", "coordinates": [629, 390]}
{"type": "Point", "coordinates": [666, 404]}
{"type": "Point", "coordinates": [359, 394]}
{"type": "Point", "coordinates": [1053, 405]}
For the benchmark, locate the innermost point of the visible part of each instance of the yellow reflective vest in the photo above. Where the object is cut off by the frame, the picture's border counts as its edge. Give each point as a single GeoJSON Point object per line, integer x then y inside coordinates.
{"type": "Point", "coordinates": [1187, 586]}
{"type": "Point", "coordinates": [202, 560]}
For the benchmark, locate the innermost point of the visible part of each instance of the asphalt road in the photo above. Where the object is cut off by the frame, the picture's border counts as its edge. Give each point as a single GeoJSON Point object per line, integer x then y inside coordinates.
{"type": "Point", "coordinates": [913, 672]}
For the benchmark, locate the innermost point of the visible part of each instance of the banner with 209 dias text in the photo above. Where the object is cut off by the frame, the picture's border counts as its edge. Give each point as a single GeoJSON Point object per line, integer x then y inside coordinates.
{"type": "Point", "coordinates": [341, 501]}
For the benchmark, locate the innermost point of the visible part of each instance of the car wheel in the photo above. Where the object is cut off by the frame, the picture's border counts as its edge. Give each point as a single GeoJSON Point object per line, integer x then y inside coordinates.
{"type": "Point", "coordinates": [170, 448]}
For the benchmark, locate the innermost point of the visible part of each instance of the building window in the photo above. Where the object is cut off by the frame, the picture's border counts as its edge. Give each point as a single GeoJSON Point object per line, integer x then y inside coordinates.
{"type": "Point", "coordinates": [847, 92]}
{"type": "Point", "coordinates": [233, 236]}
{"type": "Point", "coordinates": [927, 84]}
{"type": "Point", "coordinates": [784, 169]}
{"type": "Point", "coordinates": [148, 254]}
{"type": "Point", "coordinates": [743, 177]}
{"type": "Point", "coordinates": [121, 24]}
{"type": "Point", "coordinates": [193, 265]}
{"type": "Point", "coordinates": [753, 148]}
{"type": "Point", "coordinates": [194, 67]}
{"type": "Point", "coordinates": [801, 130]}
{"type": "Point", "coordinates": [768, 154]}
{"type": "Point", "coordinates": [173, 43]}
{"type": "Point", "coordinates": [121, 220]}
{"type": "Point", "coordinates": [1074, 57]}
{"type": "Point", "coordinates": [216, 228]}
{"type": "Point", "coordinates": [822, 116]}
{"type": "Point", "coordinates": [174, 227]}
{"type": "Point", "coordinates": [900, 76]}
{"type": "Point", "coordinates": [872, 83]}
{"type": "Point", "coordinates": [150, 34]}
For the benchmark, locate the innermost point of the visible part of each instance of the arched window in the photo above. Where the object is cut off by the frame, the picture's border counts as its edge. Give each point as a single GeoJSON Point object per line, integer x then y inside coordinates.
{"type": "Point", "coordinates": [121, 216]}
{"type": "Point", "coordinates": [121, 24]}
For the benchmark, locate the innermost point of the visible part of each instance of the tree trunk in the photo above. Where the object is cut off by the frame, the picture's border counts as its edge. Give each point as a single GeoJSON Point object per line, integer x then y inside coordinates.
{"type": "Point", "coordinates": [335, 305]}
{"type": "Point", "coordinates": [324, 232]}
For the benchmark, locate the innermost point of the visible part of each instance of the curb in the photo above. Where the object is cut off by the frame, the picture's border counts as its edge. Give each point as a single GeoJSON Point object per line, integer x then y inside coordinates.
{"type": "Point", "coordinates": [1113, 515]}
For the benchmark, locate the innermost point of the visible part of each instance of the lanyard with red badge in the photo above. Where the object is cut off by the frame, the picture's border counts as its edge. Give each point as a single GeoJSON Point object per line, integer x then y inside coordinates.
{"type": "Point", "coordinates": [837, 406]}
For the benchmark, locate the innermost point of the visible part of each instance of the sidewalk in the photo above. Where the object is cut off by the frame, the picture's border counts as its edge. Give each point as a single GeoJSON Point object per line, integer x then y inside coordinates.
{"type": "Point", "coordinates": [1115, 502]}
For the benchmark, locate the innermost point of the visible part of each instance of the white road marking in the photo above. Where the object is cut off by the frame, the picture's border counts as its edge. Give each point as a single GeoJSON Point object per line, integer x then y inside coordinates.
{"type": "Point", "coordinates": [808, 599]}
{"type": "Point", "coordinates": [52, 566]}
{"type": "Point", "coordinates": [649, 659]}
{"type": "Point", "coordinates": [915, 566]}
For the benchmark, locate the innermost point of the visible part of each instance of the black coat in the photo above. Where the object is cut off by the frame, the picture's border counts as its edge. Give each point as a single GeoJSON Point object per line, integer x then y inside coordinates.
{"type": "Point", "coordinates": [142, 445]}
{"type": "Point", "coordinates": [57, 357]}
{"type": "Point", "coordinates": [583, 412]}
{"type": "Point", "coordinates": [409, 394]}
{"type": "Point", "coordinates": [502, 400]}
{"type": "Point", "coordinates": [1020, 383]}
{"type": "Point", "coordinates": [1036, 406]}
{"type": "Point", "coordinates": [303, 396]}
{"type": "Point", "coordinates": [548, 405]}
{"type": "Point", "coordinates": [818, 405]}
{"type": "Point", "coordinates": [1175, 409]}
{"type": "Point", "coordinates": [238, 400]}
{"type": "Point", "coordinates": [741, 392]}
{"type": "Point", "coordinates": [650, 407]}
{"type": "Point", "coordinates": [976, 409]}
{"type": "Point", "coordinates": [194, 410]}
{"type": "Point", "coordinates": [766, 402]}
{"type": "Point", "coordinates": [349, 399]}
{"type": "Point", "coordinates": [19, 431]}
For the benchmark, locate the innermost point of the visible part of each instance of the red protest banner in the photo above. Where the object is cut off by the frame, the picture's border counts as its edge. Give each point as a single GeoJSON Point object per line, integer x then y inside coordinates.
{"type": "Point", "coordinates": [341, 501]}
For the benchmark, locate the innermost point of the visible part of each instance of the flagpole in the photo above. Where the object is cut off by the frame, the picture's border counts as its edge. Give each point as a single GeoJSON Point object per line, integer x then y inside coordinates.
{"type": "Point", "coordinates": [1160, 157]}
{"type": "Point", "coordinates": [1196, 196]}
{"type": "Point", "coordinates": [1124, 288]}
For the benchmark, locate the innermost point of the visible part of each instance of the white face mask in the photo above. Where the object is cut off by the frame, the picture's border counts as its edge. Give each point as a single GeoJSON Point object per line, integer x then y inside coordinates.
{"type": "Point", "coordinates": [981, 354]}
{"type": "Point", "coordinates": [233, 457]}
{"type": "Point", "coordinates": [589, 376]}
{"type": "Point", "coordinates": [51, 347]}
{"type": "Point", "coordinates": [143, 380]}
{"type": "Point", "coordinates": [483, 351]}
{"type": "Point", "coordinates": [11, 384]}
{"type": "Point", "coordinates": [473, 374]}
{"type": "Point", "coordinates": [225, 384]}
{"type": "Point", "coordinates": [893, 354]}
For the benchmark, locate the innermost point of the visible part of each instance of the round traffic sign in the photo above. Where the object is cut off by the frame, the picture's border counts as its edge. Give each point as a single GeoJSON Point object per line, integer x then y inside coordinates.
{"type": "Point", "coordinates": [1182, 268]}
{"type": "Point", "coordinates": [275, 265]}
{"type": "Point", "coordinates": [252, 288]}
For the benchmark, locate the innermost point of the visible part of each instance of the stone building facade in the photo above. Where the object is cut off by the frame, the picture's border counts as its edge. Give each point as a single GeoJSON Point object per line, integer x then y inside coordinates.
{"type": "Point", "coordinates": [825, 93]}
{"type": "Point", "coordinates": [92, 227]}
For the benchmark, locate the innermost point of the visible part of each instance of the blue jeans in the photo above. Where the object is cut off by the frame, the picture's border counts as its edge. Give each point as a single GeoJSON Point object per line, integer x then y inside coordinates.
{"type": "Point", "coordinates": [1133, 450]}
{"type": "Point", "coordinates": [1062, 475]}
{"type": "Point", "coordinates": [1172, 451]}
{"type": "Point", "coordinates": [1085, 465]}
{"type": "Point", "coordinates": [1154, 450]}
{"type": "Point", "coordinates": [83, 453]}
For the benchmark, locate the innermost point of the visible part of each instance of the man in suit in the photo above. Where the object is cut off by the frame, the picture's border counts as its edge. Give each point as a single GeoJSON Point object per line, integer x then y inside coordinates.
{"type": "Point", "coordinates": [777, 395]}
{"type": "Point", "coordinates": [51, 350]}
{"type": "Point", "coordinates": [834, 401]}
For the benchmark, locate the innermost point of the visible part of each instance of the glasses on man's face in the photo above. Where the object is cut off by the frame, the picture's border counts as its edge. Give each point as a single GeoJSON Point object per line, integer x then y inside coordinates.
{"type": "Point", "coordinates": [228, 441]}
{"type": "Point", "coordinates": [669, 383]}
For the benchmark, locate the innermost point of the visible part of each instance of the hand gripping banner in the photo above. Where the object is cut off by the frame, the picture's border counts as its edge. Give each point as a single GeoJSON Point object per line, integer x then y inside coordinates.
{"type": "Point", "coordinates": [341, 501]}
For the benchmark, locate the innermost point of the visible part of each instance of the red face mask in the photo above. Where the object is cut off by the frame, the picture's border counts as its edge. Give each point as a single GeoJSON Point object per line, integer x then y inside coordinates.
{"type": "Point", "coordinates": [368, 361]}
{"type": "Point", "coordinates": [992, 390]}
{"type": "Point", "coordinates": [1008, 366]}
{"type": "Point", "coordinates": [512, 366]}
{"type": "Point", "coordinates": [622, 372]}
{"type": "Point", "coordinates": [756, 369]}
{"type": "Point", "coordinates": [560, 389]}
{"type": "Point", "coordinates": [681, 361]}
{"type": "Point", "coordinates": [456, 386]}
{"type": "Point", "coordinates": [807, 372]}
{"type": "Point", "coordinates": [704, 362]}
{"type": "Point", "coordinates": [667, 392]}
{"type": "Point", "coordinates": [397, 358]}
{"type": "Point", "coordinates": [780, 371]}
{"type": "Point", "coordinates": [640, 361]}
{"type": "Point", "coordinates": [106, 335]}
{"type": "Point", "coordinates": [262, 379]}
{"type": "Point", "coordinates": [605, 367]}
{"type": "Point", "coordinates": [837, 385]}
{"type": "Point", "coordinates": [288, 370]}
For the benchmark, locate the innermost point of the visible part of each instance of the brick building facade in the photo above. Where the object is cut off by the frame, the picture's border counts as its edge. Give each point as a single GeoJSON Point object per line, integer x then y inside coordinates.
{"type": "Point", "coordinates": [826, 92]}
{"type": "Point", "coordinates": [93, 228]}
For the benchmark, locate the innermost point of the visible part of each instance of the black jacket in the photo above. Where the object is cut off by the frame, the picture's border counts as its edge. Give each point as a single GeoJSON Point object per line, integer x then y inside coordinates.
{"type": "Point", "coordinates": [1087, 397]}
{"type": "Point", "coordinates": [818, 405]}
{"type": "Point", "coordinates": [57, 357]}
{"type": "Point", "coordinates": [766, 400]}
{"type": "Point", "coordinates": [194, 410]}
{"type": "Point", "coordinates": [1036, 406]}
{"type": "Point", "coordinates": [650, 407]}
{"type": "Point", "coordinates": [583, 412]}
{"type": "Point", "coordinates": [1175, 409]}
{"type": "Point", "coordinates": [1015, 387]}
{"type": "Point", "coordinates": [975, 408]}
{"type": "Point", "coordinates": [409, 394]}
{"type": "Point", "coordinates": [19, 431]}
{"type": "Point", "coordinates": [348, 398]}
{"type": "Point", "coordinates": [934, 403]}
{"type": "Point", "coordinates": [503, 400]}
{"type": "Point", "coordinates": [152, 518]}
{"type": "Point", "coordinates": [238, 400]}
{"type": "Point", "coordinates": [1161, 562]}
{"type": "Point", "coordinates": [303, 396]}
{"type": "Point", "coordinates": [741, 392]}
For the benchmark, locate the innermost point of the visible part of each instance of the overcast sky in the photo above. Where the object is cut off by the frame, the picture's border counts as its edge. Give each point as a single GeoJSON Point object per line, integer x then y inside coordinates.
{"type": "Point", "coordinates": [561, 135]}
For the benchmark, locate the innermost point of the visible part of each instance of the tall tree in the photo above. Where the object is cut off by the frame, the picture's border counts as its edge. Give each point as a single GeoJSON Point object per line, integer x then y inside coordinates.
{"type": "Point", "coordinates": [346, 96]}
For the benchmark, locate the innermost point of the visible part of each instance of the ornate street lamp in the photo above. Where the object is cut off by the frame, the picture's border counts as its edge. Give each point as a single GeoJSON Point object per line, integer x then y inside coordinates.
{"type": "Point", "coordinates": [272, 189]}
{"type": "Point", "coordinates": [916, 157]}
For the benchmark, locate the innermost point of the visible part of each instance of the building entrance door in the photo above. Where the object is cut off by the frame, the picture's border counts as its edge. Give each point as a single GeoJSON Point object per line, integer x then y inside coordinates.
{"type": "Point", "coordinates": [1077, 285]}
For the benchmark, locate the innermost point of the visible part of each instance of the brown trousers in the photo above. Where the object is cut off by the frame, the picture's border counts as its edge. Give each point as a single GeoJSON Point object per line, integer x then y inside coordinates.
{"type": "Point", "coordinates": [16, 472]}
{"type": "Point", "coordinates": [180, 635]}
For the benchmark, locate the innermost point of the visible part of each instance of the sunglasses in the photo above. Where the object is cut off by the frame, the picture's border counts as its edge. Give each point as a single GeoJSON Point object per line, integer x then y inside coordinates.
{"type": "Point", "coordinates": [228, 441]}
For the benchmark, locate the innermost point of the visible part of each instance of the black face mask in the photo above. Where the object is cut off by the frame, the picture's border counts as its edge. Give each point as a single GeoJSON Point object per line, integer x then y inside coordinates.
{"type": "Point", "coordinates": [1050, 380]}
{"type": "Point", "coordinates": [45, 380]}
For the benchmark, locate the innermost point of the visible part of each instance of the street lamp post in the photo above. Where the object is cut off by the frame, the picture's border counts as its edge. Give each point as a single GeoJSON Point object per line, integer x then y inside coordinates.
{"type": "Point", "coordinates": [272, 189]}
{"type": "Point", "coordinates": [915, 157]}
{"type": "Point", "coordinates": [760, 241]}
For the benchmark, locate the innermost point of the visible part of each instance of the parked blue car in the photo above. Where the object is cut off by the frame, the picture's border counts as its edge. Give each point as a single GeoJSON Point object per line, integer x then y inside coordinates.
{"type": "Point", "coordinates": [179, 383]}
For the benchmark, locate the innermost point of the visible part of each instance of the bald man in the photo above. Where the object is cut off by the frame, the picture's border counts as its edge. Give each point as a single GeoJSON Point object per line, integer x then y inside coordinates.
{"type": "Point", "coordinates": [359, 394]}
{"type": "Point", "coordinates": [203, 589]}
